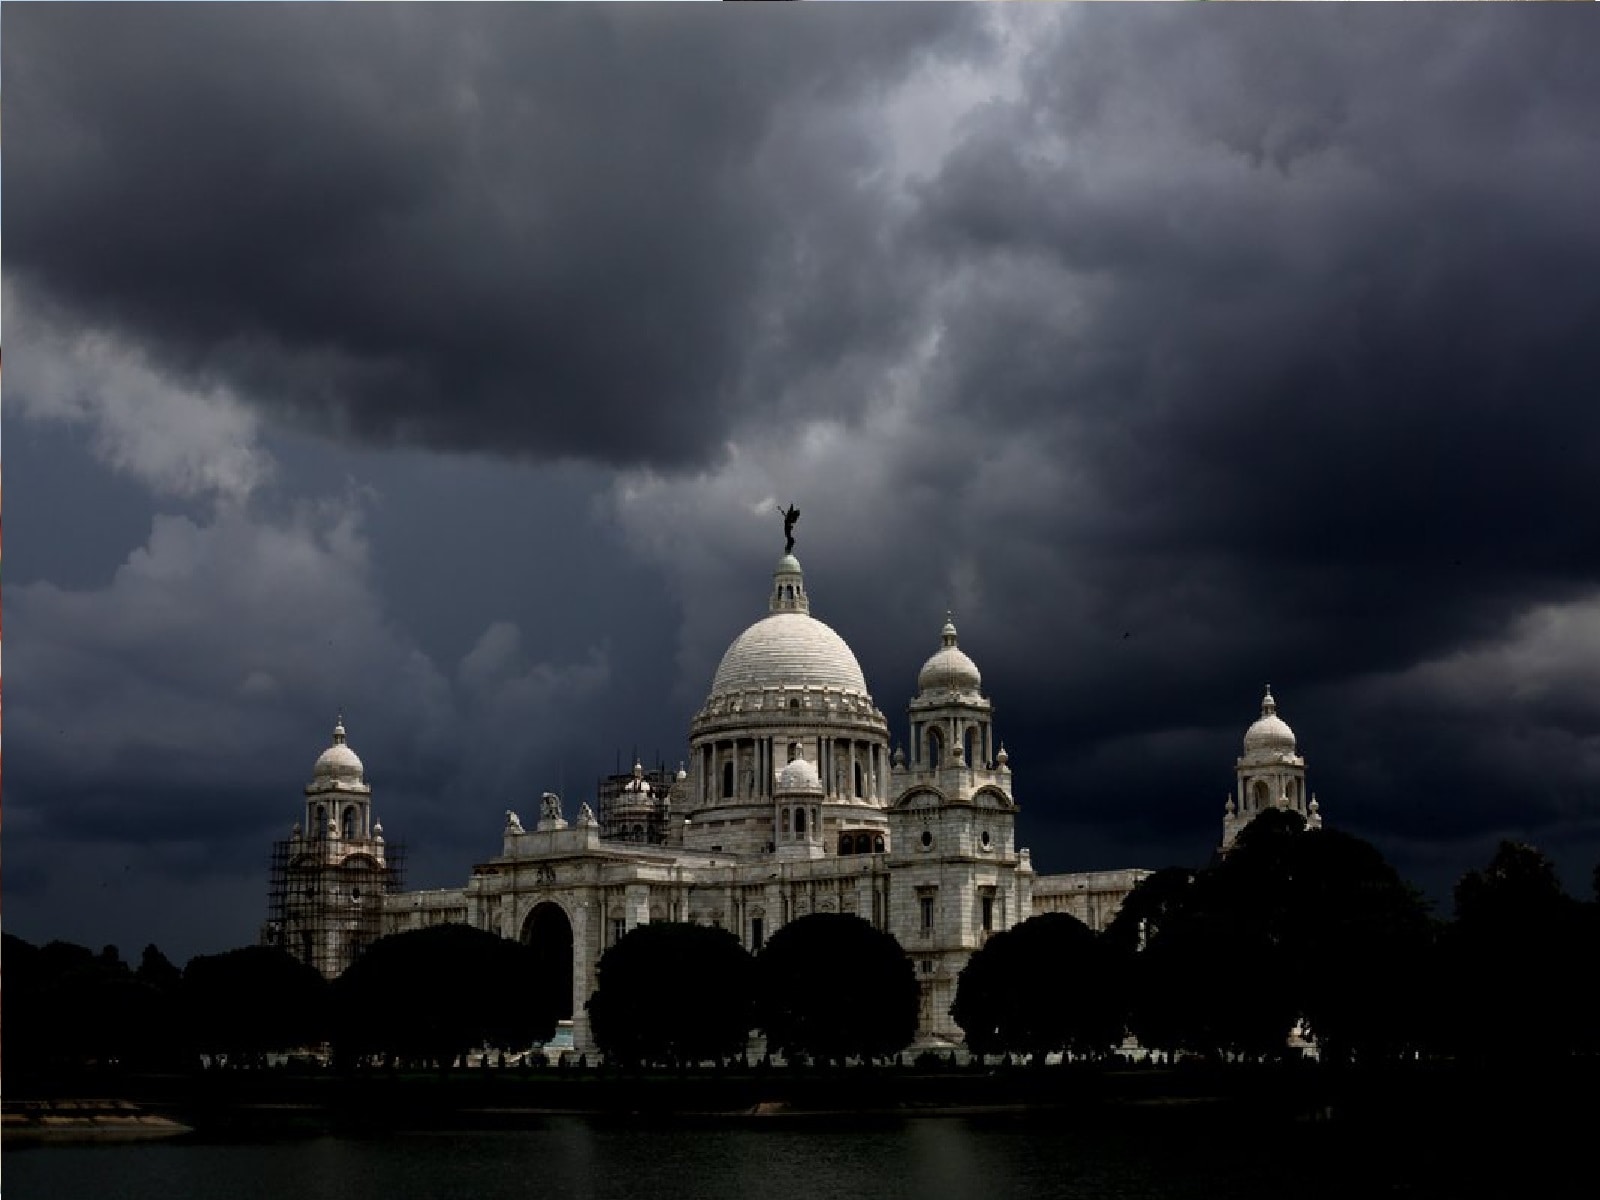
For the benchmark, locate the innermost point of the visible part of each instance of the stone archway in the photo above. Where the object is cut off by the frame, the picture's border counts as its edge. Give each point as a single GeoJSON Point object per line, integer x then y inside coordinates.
{"type": "Point", "coordinates": [548, 932]}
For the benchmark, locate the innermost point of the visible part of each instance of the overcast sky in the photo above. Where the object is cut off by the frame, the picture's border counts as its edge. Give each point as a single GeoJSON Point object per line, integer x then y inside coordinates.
{"type": "Point", "coordinates": [445, 367]}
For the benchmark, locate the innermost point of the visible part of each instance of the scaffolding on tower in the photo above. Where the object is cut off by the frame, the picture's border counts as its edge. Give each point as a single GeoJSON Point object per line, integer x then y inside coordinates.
{"type": "Point", "coordinates": [325, 907]}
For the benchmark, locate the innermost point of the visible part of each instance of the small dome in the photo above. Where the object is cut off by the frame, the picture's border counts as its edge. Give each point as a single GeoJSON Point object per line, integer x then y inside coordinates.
{"type": "Point", "coordinates": [1270, 734]}
{"type": "Point", "coordinates": [338, 763]}
{"type": "Point", "coordinates": [637, 784]}
{"type": "Point", "coordinates": [949, 670]}
{"type": "Point", "coordinates": [799, 776]}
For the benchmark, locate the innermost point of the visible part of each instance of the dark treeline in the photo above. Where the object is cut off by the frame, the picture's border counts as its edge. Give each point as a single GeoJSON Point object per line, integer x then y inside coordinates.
{"type": "Point", "coordinates": [422, 997]}
{"type": "Point", "coordinates": [827, 987]}
{"type": "Point", "coordinates": [1308, 932]}
{"type": "Point", "coordinates": [1292, 930]}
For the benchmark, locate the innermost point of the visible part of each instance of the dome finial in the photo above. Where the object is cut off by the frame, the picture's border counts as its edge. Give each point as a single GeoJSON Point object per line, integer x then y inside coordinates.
{"type": "Point", "coordinates": [947, 635]}
{"type": "Point", "coordinates": [1268, 704]}
{"type": "Point", "coordinates": [338, 729]}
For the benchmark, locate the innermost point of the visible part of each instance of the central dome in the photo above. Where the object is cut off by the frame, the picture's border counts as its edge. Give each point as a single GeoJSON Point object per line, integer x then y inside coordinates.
{"type": "Point", "coordinates": [788, 649]}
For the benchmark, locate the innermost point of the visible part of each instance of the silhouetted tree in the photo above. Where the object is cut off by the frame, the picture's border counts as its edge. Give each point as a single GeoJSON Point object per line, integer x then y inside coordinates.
{"type": "Point", "coordinates": [1211, 983]}
{"type": "Point", "coordinates": [1516, 960]}
{"type": "Point", "coordinates": [1289, 923]}
{"type": "Point", "coordinates": [1360, 948]}
{"type": "Point", "coordinates": [1155, 899]}
{"type": "Point", "coordinates": [436, 993]}
{"type": "Point", "coordinates": [673, 993]}
{"type": "Point", "coordinates": [246, 1002]}
{"type": "Point", "coordinates": [157, 970]}
{"type": "Point", "coordinates": [831, 986]}
{"type": "Point", "coordinates": [66, 1006]}
{"type": "Point", "coordinates": [1043, 986]}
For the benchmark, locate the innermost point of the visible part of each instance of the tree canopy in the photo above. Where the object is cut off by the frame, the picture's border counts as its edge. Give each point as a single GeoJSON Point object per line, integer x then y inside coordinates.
{"type": "Point", "coordinates": [248, 1001]}
{"type": "Point", "coordinates": [1046, 985]}
{"type": "Point", "coordinates": [1517, 960]}
{"type": "Point", "coordinates": [438, 992]}
{"type": "Point", "coordinates": [1290, 924]}
{"type": "Point", "coordinates": [831, 986]}
{"type": "Point", "coordinates": [673, 993]}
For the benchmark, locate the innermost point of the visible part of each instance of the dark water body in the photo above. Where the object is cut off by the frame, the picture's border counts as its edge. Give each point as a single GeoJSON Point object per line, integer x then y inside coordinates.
{"type": "Point", "coordinates": [1038, 1156]}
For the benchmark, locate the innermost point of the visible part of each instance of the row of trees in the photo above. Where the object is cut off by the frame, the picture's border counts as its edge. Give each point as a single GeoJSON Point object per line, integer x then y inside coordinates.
{"type": "Point", "coordinates": [428, 995]}
{"type": "Point", "coordinates": [826, 986]}
{"type": "Point", "coordinates": [1299, 928]}
{"type": "Point", "coordinates": [1291, 927]}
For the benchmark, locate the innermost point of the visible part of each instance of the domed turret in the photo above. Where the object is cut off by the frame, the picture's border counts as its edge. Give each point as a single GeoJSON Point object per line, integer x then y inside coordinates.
{"type": "Point", "coordinates": [1270, 774]}
{"type": "Point", "coordinates": [949, 669]}
{"type": "Point", "coordinates": [338, 763]}
{"type": "Point", "coordinates": [798, 775]}
{"type": "Point", "coordinates": [1269, 735]}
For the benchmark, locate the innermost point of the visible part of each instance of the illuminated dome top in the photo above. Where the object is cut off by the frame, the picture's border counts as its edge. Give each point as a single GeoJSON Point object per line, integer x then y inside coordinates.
{"type": "Point", "coordinates": [338, 763]}
{"type": "Point", "coordinates": [1269, 735]}
{"type": "Point", "coordinates": [799, 776]}
{"type": "Point", "coordinates": [949, 670]}
{"type": "Point", "coordinates": [788, 647]}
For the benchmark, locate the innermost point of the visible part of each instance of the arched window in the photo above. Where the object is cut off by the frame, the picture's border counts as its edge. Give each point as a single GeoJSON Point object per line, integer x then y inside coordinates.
{"type": "Point", "coordinates": [935, 747]}
{"type": "Point", "coordinates": [1258, 795]}
{"type": "Point", "coordinates": [322, 821]}
{"type": "Point", "coordinates": [844, 844]}
{"type": "Point", "coordinates": [968, 742]}
{"type": "Point", "coordinates": [349, 828]}
{"type": "Point", "coordinates": [799, 820]}
{"type": "Point", "coordinates": [727, 780]}
{"type": "Point", "coordinates": [863, 843]}
{"type": "Point", "coordinates": [877, 844]}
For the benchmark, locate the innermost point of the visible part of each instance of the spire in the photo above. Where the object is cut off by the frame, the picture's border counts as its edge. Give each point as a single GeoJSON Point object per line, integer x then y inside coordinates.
{"type": "Point", "coordinates": [338, 730]}
{"type": "Point", "coordinates": [947, 635]}
{"type": "Point", "coordinates": [1269, 706]}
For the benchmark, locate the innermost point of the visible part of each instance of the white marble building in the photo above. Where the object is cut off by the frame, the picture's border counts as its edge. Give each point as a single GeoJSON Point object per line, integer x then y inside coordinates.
{"type": "Point", "coordinates": [791, 803]}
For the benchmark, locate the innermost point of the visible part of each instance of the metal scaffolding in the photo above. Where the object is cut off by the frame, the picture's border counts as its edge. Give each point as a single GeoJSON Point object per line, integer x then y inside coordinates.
{"type": "Point", "coordinates": [325, 898]}
{"type": "Point", "coordinates": [628, 815]}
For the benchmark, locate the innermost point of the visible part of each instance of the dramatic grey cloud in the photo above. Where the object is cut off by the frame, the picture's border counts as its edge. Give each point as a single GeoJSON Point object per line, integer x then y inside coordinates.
{"type": "Point", "coordinates": [1176, 350]}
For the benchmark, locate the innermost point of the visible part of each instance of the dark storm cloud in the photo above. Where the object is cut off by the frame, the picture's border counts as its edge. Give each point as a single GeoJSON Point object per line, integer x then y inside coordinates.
{"type": "Point", "coordinates": [542, 231]}
{"type": "Point", "coordinates": [1176, 350]}
{"type": "Point", "coordinates": [1264, 353]}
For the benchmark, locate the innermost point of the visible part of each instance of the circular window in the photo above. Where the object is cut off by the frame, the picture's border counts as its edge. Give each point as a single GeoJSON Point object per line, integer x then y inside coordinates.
{"type": "Point", "coordinates": [985, 839]}
{"type": "Point", "coordinates": [927, 839]}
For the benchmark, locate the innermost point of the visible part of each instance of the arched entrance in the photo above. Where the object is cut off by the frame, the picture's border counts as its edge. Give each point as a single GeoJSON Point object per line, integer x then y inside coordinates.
{"type": "Point", "coordinates": [548, 932]}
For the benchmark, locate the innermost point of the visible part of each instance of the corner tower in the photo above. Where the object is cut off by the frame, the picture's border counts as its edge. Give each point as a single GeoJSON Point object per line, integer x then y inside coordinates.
{"type": "Point", "coordinates": [1269, 774]}
{"type": "Point", "coordinates": [328, 880]}
{"type": "Point", "coordinates": [955, 873]}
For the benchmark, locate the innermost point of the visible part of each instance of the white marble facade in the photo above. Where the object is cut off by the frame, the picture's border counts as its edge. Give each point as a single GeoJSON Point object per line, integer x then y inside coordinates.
{"type": "Point", "coordinates": [792, 802]}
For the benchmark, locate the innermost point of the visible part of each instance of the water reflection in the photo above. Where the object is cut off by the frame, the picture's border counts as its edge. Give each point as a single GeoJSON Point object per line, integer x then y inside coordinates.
{"type": "Point", "coordinates": [578, 1159]}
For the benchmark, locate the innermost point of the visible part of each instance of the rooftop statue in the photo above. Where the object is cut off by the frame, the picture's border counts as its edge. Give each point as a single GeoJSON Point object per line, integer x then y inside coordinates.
{"type": "Point", "coordinates": [790, 516]}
